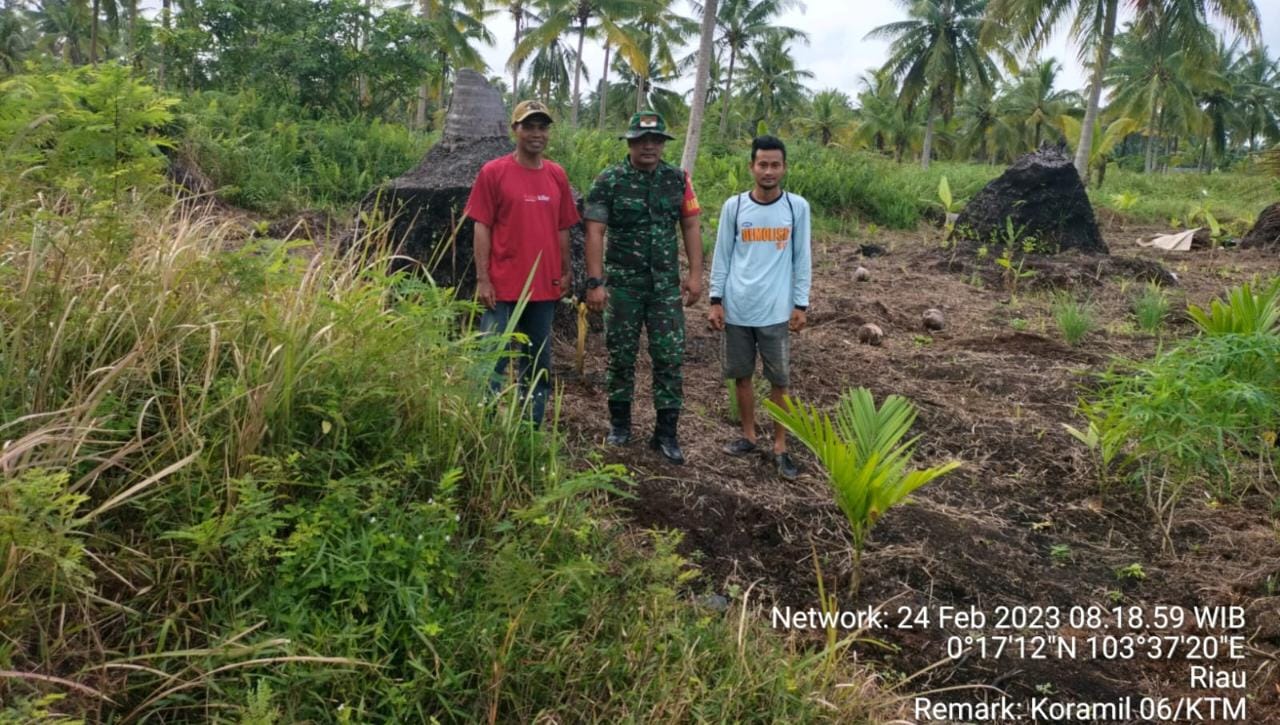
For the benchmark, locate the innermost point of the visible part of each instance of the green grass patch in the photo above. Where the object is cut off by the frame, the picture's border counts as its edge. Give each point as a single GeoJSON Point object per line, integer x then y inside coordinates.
{"type": "Point", "coordinates": [1075, 319]}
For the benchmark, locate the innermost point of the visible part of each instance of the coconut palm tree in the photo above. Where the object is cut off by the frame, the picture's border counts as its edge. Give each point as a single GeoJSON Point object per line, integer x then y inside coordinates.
{"type": "Point", "coordinates": [455, 25]}
{"type": "Point", "coordinates": [15, 39]}
{"type": "Point", "coordinates": [588, 18]}
{"type": "Point", "coordinates": [1153, 77]}
{"type": "Point", "coordinates": [549, 69]}
{"type": "Point", "coordinates": [1030, 23]}
{"type": "Point", "coordinates": [935, 54]}
{"type": "Point", "coordinates": [773, 80]}
{"type": "Point", "coordinates": [883, 123]}
{"type": "Point", "coordinates": [1033, 102]}
{"type": "Point", "coordinates": [1258, 96]}
{"type": "Point", "coordinates": [1219, 101]}
{"type": "Point", "coordinates": [522, 15]}
{"type": "Point", "coordinates": [661, 33]}
{"type": "Point", "coordinates": [63, 24]}
{"type": "Point", "coordinates": [698, 103]}
{"type": "Point", "coordinates": [986, 129]}
{"type": "Point", "coordinates": [829, 115]}
{"type": "Point", "coordinates": [745, 24]}
{"type": "Point", "coordinates": [653, 89]}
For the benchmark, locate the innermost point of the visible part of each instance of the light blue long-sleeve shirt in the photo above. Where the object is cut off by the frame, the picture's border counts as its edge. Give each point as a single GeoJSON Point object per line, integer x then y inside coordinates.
{"type": "Point", "coordinates": [761, 267]}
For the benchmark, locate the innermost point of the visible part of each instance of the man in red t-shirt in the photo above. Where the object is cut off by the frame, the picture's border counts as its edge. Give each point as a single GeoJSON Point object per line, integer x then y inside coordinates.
{"type": "Point", "coordinates": [523, 209]}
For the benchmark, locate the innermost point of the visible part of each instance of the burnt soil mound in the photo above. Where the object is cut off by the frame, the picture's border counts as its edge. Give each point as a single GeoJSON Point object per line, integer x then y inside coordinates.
{"type": "Point", "coordinates": [1038, 197]}
{"type": "Point", "coordinates": [1266, 231]}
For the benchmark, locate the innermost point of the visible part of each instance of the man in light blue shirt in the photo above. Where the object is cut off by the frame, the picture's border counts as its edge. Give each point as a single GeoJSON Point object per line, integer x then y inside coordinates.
{"type": "Point", "coordinates": [760, 278]}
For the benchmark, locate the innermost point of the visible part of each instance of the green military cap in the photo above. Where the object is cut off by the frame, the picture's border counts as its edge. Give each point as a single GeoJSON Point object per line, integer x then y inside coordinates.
{"type": "Point", "coordinates": [647, 123]}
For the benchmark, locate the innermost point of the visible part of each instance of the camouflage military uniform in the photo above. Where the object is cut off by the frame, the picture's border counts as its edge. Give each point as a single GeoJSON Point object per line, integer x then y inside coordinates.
{"type": "Point", "coordinates": [642, 211]}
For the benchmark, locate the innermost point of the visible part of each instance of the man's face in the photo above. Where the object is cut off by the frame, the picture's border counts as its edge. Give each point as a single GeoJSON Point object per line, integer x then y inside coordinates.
{"type": "Point", "coordinates": [768, 168]}
{"type": "Point", "coordinates": [646, 151]}
{"type": "Point", "coordinates": [532, 134]}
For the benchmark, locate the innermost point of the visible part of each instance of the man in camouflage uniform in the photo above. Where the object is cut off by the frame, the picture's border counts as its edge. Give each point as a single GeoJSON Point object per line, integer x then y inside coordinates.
{"type": "Point", "coordinates": [641, 202]}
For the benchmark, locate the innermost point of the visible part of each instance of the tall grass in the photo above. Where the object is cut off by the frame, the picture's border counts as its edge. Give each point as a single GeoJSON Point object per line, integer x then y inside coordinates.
{"type": "Point", "coordinates": [1158, 198]}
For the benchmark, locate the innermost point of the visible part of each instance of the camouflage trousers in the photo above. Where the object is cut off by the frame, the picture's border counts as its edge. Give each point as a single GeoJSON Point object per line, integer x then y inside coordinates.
{"type": "Point", "coordinates": [659, 311]}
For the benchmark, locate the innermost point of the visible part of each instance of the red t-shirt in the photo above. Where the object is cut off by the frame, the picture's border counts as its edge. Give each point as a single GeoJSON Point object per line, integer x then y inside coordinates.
{"type": "Point", "coordinates": [525, 209]}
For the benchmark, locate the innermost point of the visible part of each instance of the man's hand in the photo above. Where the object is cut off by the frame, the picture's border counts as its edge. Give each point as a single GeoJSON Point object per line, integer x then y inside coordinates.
{"type": "Point", "coordinates": [691, 286]}
{"type": "Point", "coordinates": [566, 280]}
{"type": "Point", "coordinates": [715, 316]}
{"type": "Point", "coordinates": [596, 298]}
{"type": "Point", "coordinates": [485, 293]}
{"type": "Point", "coordinates": [797, 321]}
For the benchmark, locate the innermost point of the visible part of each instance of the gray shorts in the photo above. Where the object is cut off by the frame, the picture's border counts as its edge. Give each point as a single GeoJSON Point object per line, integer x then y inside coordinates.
{"type": "Point", "coordinates": [773, 342]}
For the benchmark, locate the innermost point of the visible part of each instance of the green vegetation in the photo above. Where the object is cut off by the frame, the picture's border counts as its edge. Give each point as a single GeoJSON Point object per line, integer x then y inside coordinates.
{"type": "Point", "coordinates": [1198, 414]}
{"type": "Point", "coordinates": [1244, 312]}
{"type": "Point", "coordinates": [865, 457]}
{"type": "Point", "coordinates": [263, 483]}
{"type": "Point", "coordinates": [1151, 307]}
{"type": "Point", "coordinates": [265, 156]}
{"type": "Point", "coordinates": [1075, 319]}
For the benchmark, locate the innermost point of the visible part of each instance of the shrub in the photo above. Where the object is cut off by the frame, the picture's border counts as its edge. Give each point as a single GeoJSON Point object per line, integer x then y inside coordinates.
{"type": "Point", "coordinates": [1192, 416]}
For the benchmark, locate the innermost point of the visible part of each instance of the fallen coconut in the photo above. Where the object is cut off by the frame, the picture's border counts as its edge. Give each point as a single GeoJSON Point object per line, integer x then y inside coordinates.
{"type": "Point", "coordinates": [870, 334]}
{"type": "Point", "coordinates": [933, 319]}
{"type": "Point", "coordinates": [861, 274]}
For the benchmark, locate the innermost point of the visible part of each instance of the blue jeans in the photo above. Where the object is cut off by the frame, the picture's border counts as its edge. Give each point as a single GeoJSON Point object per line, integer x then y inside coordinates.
{"type": "Point", "coordinates": [534, 359]}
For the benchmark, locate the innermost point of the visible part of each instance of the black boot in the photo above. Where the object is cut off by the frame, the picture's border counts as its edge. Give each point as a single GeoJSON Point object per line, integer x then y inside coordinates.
{"type": "Point", "coordinates": [619, 423]}
{"type": "Point", "coordinates": [664, 436]}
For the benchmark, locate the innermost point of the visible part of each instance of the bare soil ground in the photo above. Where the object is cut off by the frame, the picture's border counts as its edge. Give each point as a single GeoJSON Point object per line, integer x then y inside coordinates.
{"type": "Point", "coordinates": [993, 390]}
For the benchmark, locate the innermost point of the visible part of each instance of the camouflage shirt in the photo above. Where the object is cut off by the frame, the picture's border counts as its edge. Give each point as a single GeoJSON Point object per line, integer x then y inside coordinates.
{"type": "Point", "coordinates": [641, 211]}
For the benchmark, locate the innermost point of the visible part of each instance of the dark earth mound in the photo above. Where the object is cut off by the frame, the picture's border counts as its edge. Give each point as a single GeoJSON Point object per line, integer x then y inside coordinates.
{"type": "Point", "coordinates": [1266, 232]}
{"type": "Point", "coordinates": [1042, 196]}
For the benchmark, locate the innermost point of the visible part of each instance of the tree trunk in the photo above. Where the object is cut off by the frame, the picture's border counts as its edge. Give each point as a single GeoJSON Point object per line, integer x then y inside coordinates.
{"type": "Point", "coordinates": [1095, 91]}
{"type": "Point", "coordinates": [517, 14]}
{"type": "Point", "coordinates": [604, 85]}
{"type": "Point", "coordinates": [927, 151]}
{"type": "Point", "coordinates": [93, 33]}
{"type": "Point", "coordinates": [132, 9]}
{"type": "Point", "coordinates": [1150, 164]}
{"type": "Point", "coordinates": [728, 85]}
{"type": "Point", "coordinates": [363, 97]}
{"type": "Point", "coordinates": [577, 71]}
{"type": "Point", "coordinates": [641, 82]}
{"type": "Point", "coordinates": [424, 91]}
{"type": "Point", "coordinates": [166, 14]}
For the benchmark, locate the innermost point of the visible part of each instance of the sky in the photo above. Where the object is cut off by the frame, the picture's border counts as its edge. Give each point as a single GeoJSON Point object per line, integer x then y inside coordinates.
{"type": "Point", "coordinates": [837, 54]}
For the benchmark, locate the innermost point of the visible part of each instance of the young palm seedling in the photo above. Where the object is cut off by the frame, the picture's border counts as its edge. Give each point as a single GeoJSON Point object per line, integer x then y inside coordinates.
{"type": "Point", "coordinates": [1244, 312]}
{"type": "Point", "coordinates": [866, 459]}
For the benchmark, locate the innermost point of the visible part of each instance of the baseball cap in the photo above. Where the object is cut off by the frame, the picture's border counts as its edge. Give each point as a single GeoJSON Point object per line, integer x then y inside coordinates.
{"type": "Point", "coordinates": [525, 109]}
{"type": "Point", "coordinates": [646, 123]}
